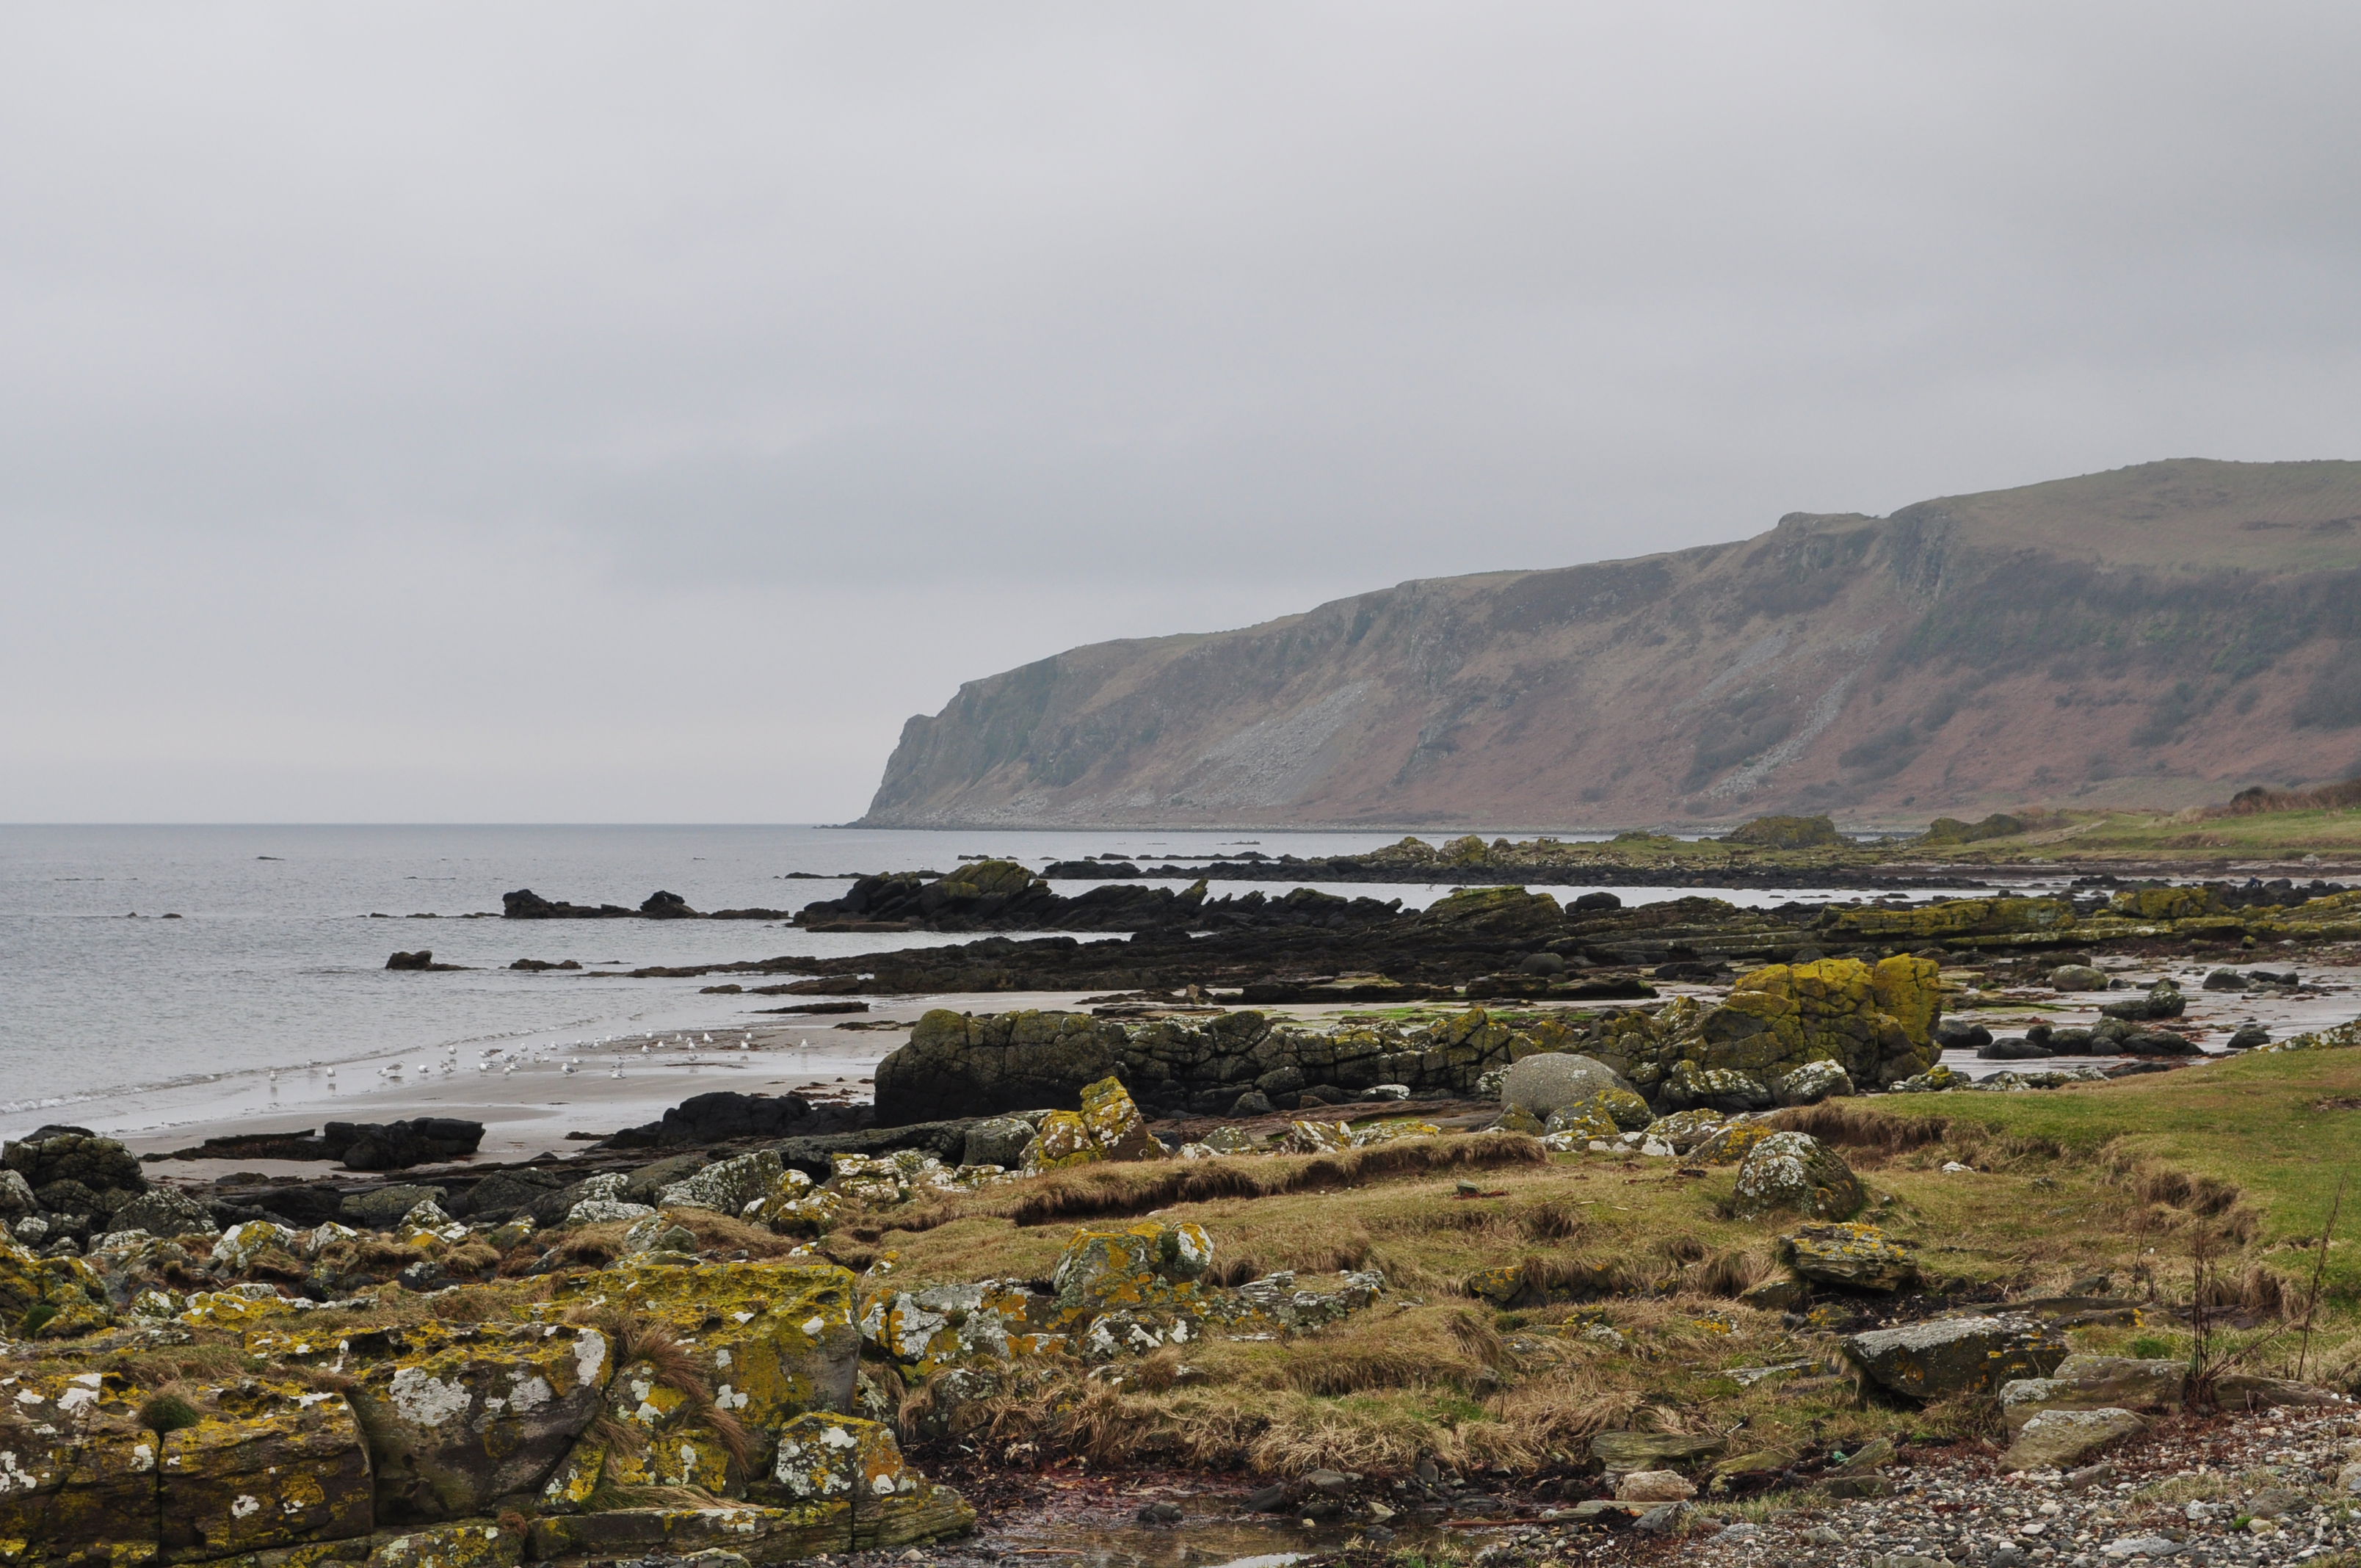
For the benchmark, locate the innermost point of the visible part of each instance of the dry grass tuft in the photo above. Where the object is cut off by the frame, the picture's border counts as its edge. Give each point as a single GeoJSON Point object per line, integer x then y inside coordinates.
{"type": "Point", "coordinates": [2259, 1292]}
{"type": "Point", "coordinates": [1861, 1128]}
{"type": "Point", "coordinates": [1680, 1249]}
{"type": "Point", "coordinates": [1097, 1192]}
{"type": "Point", "coordinates": [1552, 1220]}
{"type": "Point", "coordinates": [1477, 1338]}
{"type": "Point", "coordinates": [1727, 1272]}
{"type": "Point", "coordinates": [643, 1339]}
{"type": "Point", "coordinates": [720, 1233]}
{"type": "Point", "coordinates": [2205, 1196]}
{"type": "Point", "coordinates": [591, 1247]}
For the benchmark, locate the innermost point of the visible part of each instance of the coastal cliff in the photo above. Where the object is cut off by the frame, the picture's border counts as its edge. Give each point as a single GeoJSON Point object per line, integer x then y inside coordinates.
{"type": "Point", "coordinates": [2149, 634]}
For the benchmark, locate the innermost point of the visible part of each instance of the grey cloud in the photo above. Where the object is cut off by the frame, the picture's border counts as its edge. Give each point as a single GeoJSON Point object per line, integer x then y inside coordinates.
{"type": "Point", "coordinates": [1165, 317]}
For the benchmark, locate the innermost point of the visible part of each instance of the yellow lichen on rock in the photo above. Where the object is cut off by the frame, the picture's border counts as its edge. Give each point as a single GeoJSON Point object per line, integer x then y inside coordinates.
{"type": "Point", "coordinates": [2168, 903]}
{"type": "Point", "coordinates": [474, 1544]}
{"type": "Point", "coordinates": [772, 1340]}
{"type": "Point", "coordinates": [1062, 1140]}
{"type": "Point", "coordinates": [1114, 1123]}
{"type": "Point", "coordinates": [49, 1297]}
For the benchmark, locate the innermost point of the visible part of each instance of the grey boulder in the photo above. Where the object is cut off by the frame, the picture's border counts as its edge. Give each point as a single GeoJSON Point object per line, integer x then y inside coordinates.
{"type": "Point", "coordinates": [996, 1140]}
{"type": "Point", "coordinates": [1554, 1079]}
{"type": "Point", "coordinates": [160, 1212]}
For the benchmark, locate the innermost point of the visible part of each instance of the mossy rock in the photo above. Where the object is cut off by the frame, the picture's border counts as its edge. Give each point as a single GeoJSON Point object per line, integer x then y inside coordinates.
{"type": "Point", "coordinates": [1788, 833]}
{"type": "Point", "coordinates": [49, 1297]}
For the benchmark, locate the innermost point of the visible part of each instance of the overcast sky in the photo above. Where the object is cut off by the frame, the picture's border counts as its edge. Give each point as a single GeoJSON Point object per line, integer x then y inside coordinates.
{"type": "Point", "coordinates": [589, 413]}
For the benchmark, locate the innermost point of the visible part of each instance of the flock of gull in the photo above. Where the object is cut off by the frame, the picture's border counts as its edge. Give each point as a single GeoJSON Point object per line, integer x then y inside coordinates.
{"type": "Point", "coordinates": [701, 1050]}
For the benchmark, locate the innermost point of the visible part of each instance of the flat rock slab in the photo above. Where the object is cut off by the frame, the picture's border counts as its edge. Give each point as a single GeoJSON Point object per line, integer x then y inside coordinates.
{"type": "Point", "coordinates": [2058, 1439]}
{"type": "Point", "coordinates": [1956, 1355]}
{"type": "Point", "coordinates": [1650, 1450]}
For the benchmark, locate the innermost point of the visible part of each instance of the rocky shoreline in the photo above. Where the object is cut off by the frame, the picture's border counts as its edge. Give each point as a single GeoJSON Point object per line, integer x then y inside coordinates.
{"type": "Point", "coordinates": [1460, 1256]}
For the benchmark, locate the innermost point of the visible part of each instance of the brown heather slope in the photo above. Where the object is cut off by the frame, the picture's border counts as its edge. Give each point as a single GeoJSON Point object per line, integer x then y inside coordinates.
{"type": "Point", "coordinates": [2160, 634]}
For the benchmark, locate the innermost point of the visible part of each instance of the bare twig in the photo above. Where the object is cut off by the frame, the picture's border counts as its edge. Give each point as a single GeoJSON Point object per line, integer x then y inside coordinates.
{"type": "Point", "coordinates": [2320, 1271]}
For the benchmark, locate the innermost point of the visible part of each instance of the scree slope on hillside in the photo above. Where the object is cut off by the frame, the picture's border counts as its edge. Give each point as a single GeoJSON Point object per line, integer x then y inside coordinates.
{"type": "Point", "coordinates": [2149, 635]}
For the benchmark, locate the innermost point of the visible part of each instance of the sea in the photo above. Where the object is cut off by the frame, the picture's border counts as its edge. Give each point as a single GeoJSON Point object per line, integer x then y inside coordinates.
{"type": "Point", "coordinates": [134, 958]}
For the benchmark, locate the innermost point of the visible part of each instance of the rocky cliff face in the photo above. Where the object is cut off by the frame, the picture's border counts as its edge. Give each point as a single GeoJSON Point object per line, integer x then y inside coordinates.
{"type": "Point", "coordinates": [2152, 634]}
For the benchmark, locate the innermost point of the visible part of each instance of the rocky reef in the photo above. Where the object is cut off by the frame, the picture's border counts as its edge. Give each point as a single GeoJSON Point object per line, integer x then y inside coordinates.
{"type": "Point", "coordinates": [1509, 942]}
{"type": "Point", "coordinates": [1872, 1024]}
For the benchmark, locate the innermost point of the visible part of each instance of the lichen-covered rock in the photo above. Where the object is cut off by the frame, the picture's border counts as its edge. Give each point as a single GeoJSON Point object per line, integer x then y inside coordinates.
{"type": "Point", "coordinates": [1105, 1269]}
{"type": "Point", "coordinates": [1957, 922]}
{"type": "Point", "coordinates": [1797, 1173]}
{"type": "Point", "coordinates": [1687, 1086]}
{"type": "Point", "coordinates": [772, 1341]}
{"type": "Point", "coordinates": [1728, 1144]}
{"type": "Point", "coordinates": [1108, 1126]}
{"type": "Point", "coordinates": [1114, 1123]}
{"type": "Point", "coordinates": [946, 1325]}
{"type": "Point", "coordinates": [241, 1245]}
{"type": "Point", "coordinates": [1386, 1131]}
{"type": "Point", "coordinates": [1576, 1126]}
{"type": "Point", "coordinates": [2168, 903]}
{"type": "Point", "coordinates": [884, 1179]}
{"type": "Point", "coordinates": [1811, 1084]}
{"type": "Point", "coordinates": [1872, 1020]}
{"type": "Point", "coordinates": [956, 1065]}
{"type": "Point", "coordinates": [726, 1186]}
{"type": "Point", "coordinates": [49, 1297]}
{"type": "Point", "coordinates": [794, 1205]}
{"type": "Point", "coordinates": [1956, 1355]}
{"type": "Point", "coordinates": [1313, 1137]}
{"type": "Point", "coordinates": [1550, 1081]}
{"type": "Point", "coordinates": [1935, 1080]}
{"type": "Point", "coordinates": [1853, 1256]}
{"type": "Point", "coordinates": [2062, 1438]}
{"type": "Point", "coordinates": [823, 1457]}
{"type": "Point", "coordinates": [1684, 1131]}
{"type": "Point", "coordinates": [1063, 1140]}
{"type": "Point", "coordinates": [383, 1208]}
{"type": "Point", "coordinates": [160, 1212]}
{"type": "Point", "coordinates": [475, 1544]}
{"type": "Point", "coordinates": [998, 1140]}
{"type": "Point", "coordinates": [16, 1196]}
{"type": "Point", "coordinates": [464, 1413]}
{"type": "Point", "coordinates": [2078, 976]}
{"type": "Point", "coordinates": [253, 1463]}
{"type": "Point", "coordinates": [606, 1212]}
{"type": "Point", "coordinates": [266, 1464]}
{"type": "Point", "coordinates": [2096, 1382]}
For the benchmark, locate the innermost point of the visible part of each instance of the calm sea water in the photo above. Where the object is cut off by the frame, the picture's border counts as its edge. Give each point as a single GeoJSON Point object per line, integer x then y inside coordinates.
{"type": "Point", "coordinates": [276, 963]}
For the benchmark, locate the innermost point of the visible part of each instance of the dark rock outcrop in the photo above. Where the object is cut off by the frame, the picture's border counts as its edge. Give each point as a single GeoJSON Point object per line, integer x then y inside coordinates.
{"type": "Point", "coordinates": [964, 1064]}
{"type": "Point", "coordinates": [725, 1114]}
{"type": "Point", "coordinates": [396, 1145]}
{"type": "Point", "coordinates": [526, 905]}
{"type": "Point", "coordinates": [1001, 896]}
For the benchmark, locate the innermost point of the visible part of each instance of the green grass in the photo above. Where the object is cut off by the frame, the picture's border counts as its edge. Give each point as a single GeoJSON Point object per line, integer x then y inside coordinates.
{"type": "Point", "coordinates": [2255, 1122]}
{"type": "Point", "coordinates": [2168, 836]}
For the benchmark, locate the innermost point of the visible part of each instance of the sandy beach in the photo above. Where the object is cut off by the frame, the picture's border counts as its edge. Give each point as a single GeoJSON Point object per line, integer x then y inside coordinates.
{"type": "Point", "coordinates": [539, 1108]}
